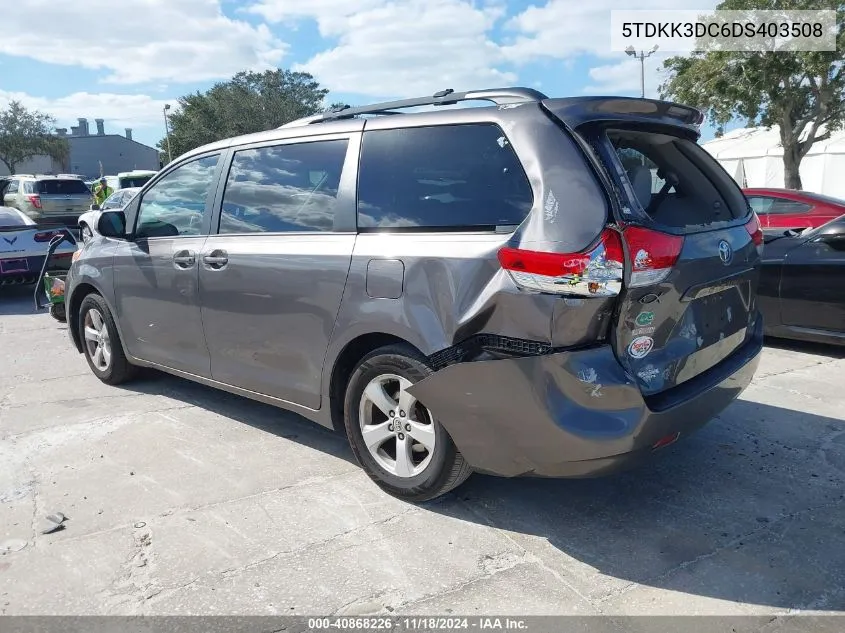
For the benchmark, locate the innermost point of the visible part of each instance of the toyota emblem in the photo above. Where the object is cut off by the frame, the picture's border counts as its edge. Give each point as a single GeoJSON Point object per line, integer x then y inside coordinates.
{"type": "Point", "coordinates": [725, 252]}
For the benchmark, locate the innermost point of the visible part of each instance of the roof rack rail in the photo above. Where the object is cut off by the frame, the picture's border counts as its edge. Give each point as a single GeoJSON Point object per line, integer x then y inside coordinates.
{"type": "Point", "coordinates": [499, 96]}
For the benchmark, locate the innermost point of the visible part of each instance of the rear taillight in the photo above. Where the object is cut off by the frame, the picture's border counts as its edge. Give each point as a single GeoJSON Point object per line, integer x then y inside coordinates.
{"type": "Point", "coordinates": [652, 254]}
{"type": "Point", "coordinates": [46, 236]}
{"type": "Point", "coordinates": [593, 272]}
{"type": "Point", "coordinates": [596, 271]}
{"type": "Point", "coordinates": [35, 201]}
{"type": "Point", "coordinates": [754, 230]}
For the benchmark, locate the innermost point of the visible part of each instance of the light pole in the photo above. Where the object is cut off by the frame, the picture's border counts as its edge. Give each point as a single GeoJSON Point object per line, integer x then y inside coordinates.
{"type": "Point", "coordinates": [642, 57]}
{"type": "Point", "coordinates": [167, 132]}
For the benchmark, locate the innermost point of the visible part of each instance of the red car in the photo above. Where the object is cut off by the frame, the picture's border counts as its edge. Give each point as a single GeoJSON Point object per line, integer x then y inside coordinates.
{"type": "Point", "coordinates": [790, 209]}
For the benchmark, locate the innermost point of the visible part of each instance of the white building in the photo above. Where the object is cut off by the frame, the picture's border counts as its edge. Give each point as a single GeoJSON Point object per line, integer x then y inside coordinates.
{"type": "Point", "coordinates": [754, 157]}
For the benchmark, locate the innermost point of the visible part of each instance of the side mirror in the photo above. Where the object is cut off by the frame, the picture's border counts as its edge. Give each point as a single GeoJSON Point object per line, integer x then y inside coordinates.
{"type": "Point", "coordinates": [95, 207]}
{"type": "Point", "coordinates": [112, 224]}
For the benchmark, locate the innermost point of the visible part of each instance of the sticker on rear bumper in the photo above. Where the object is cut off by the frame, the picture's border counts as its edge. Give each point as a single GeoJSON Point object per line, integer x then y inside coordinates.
{"type": "Point", "coordinates": [645, 318]}
{"type": "Point", "coordinates": [640, 331]}
{"type": "Point", "coordinates": [640, 347]}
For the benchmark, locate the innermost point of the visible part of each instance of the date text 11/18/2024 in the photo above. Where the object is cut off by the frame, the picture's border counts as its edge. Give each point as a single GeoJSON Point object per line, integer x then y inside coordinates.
{"type": "Point", "coordinates": [422, 623]}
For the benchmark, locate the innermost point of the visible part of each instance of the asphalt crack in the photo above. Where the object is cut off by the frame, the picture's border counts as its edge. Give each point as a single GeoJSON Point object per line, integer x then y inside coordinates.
{"type": "Point", "coordinates": [227, 573]}
{"type": "Point", "coordinates": [532, 558]}
{"type": "Point", "coordinates": [136, 582]}
{"type": "Point", "coordinates": [86, 423]}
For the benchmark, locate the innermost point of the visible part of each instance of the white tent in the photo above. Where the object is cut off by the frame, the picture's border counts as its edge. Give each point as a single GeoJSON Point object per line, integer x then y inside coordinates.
{"type": "Point", "coordinates": [754, 157]}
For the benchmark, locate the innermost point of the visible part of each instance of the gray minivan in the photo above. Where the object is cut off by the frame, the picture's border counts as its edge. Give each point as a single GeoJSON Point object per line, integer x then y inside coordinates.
{"type": "Point", "coordinates": [548, 287]}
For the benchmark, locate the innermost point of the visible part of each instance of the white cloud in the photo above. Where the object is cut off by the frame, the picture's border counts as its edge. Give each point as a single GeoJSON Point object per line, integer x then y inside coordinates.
{"type": "Point", "coordinates": [388, 49]}
{"type": "Point", "coordinates": [139, 41]}
{"type": "Point", "coordinates": [331, 15]}
{"type": "Point", "coordinates": [624, 77]}
{"type": "Point", "coordinates": [119, 111]}
{"type": "Point", "coordinates": [566, 28]}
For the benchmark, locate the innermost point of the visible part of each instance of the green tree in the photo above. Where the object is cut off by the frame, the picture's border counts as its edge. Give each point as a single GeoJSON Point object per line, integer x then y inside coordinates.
{"type": "Point", "coordinates": [26, 133]}
{"type": "Point", "coordinates": [249, 102]}
{"type": "Point", "coordinates": [801, 92]}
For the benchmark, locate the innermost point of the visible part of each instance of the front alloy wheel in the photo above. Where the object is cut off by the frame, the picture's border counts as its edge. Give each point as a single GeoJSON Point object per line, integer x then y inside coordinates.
{"type": "Point", "coordinates": [97, 341]}
{"type": "Point", "coordinates": [101, 342]}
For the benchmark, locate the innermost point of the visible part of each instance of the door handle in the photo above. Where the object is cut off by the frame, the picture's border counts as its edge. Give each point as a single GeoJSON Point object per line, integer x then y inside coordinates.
{"type": "Point", "coordinates": [216, 259]}
{"type": "Point", "coordinates": [184, 259]}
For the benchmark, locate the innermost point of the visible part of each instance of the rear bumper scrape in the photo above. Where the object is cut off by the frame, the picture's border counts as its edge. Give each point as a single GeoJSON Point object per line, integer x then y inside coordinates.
{"type": "Point", "coordinates": [571, 414]}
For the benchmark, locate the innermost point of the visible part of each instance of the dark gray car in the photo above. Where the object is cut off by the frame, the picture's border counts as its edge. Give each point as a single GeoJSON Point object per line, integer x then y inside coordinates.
{"type": "Point", "coordinates": [550, 287]}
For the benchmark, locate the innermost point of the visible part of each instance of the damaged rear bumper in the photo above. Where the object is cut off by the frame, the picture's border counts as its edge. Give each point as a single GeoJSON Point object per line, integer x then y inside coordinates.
{"type": "Point", "coordinates": [573, 414]}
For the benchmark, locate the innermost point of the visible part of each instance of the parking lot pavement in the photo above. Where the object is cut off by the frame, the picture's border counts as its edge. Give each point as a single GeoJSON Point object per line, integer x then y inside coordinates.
{"type": "Point", "coordinates": [184, 500]}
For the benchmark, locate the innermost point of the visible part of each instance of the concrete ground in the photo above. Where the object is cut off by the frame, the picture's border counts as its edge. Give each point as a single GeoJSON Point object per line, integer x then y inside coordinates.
{"type": "Point", "coordinates": [185, 500]}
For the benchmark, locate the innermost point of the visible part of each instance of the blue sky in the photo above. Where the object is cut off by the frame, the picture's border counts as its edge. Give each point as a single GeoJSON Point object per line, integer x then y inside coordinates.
{"type": "Point", "coordinates": [150, 52]}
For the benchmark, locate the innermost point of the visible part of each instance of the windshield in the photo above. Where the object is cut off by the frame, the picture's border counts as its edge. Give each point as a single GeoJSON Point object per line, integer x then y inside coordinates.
{"type": "Point", "coordinates": [113, 201]}
{"type": "Point", "coordinates": [62, 187]}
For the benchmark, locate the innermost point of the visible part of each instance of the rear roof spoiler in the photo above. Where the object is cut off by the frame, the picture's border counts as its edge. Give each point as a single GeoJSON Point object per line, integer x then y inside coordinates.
{"type": "Point", "coordinates": [576, 111]}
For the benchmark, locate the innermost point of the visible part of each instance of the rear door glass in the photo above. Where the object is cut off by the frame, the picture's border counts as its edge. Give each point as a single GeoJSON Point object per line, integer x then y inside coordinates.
{"type": "Point", "coordinates": [448, 177]}
{"type": "Point", "coordinates": [283, 188]}
{"type": "Point", "coordinates": [62, 187]}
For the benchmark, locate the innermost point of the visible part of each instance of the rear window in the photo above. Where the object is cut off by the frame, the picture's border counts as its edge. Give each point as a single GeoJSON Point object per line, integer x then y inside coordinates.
{"type": "Point", "coordinates": [444, 177]}
{"type": "Point", "coordinates": [62, 187]}
{"type": "Point", "coordinates": [674, 181]}
{"type": "Point", "coordinates": [134, 181]}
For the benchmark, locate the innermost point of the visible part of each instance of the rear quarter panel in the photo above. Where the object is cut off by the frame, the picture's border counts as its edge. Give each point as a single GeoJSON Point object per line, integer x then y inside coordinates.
{"type": "Point", "coordinates": [452, 286]}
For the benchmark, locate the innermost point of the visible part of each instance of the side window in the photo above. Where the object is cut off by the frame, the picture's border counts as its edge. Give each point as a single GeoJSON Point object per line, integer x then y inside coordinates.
{"type": "Point", "coordinates": [283, 188]}
{"type": "Point", "coordinates": [28, 186]}
{"type": "Point", "coordinates": [783, 207]}
{"type": "Point", "coordinates": [13, 186]}
{"type": "Point", "coordinates": [760, 205]}
{"type": "Point", "coordinates": [175, 204]}
{"type": "Point", "coordinates": [450, 177]}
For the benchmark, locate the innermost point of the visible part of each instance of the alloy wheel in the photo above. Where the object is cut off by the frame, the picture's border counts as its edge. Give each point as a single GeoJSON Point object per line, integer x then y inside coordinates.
{"type": "Point", "coordinates": [97, 342]}
{"type": "Point", "coordinates": [397, 429]}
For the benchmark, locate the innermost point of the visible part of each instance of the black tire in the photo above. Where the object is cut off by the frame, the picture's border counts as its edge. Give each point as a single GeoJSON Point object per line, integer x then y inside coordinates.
{"type": "Point", "coordinates": [119, 369]}
{"type": "Point", "coordinates": [447, 468]}
{"type": "Point", "coordinates": [57, 311]}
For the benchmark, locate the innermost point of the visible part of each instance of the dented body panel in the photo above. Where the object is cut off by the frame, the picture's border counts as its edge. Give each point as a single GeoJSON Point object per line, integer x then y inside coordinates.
{"type": "Point", "coordinates": [575, 413]}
